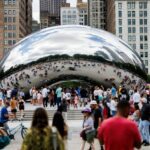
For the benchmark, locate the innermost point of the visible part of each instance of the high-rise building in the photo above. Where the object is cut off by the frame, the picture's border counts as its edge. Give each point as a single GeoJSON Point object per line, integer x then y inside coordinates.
{"type": "Point", "coordinates": [130, 20]}
{"type": "Point", "coordinates": [97, 13]}
{"type": "Point", "coordinates": [50, 12]}
{"type": "Point", "coordinates": [15, 22]}
{"type": "Point", "coordinates": [75, 15]}
{"type": "Point", "coordinates": [83, 12]}
{"type": "Point", "coordinates": [69, 16]}
{"type": "Point", "coordinates": [35, 26]}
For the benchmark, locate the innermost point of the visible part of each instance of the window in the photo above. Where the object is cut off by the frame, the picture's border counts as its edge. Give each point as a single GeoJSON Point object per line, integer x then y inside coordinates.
{"type": "Point", "coordinates": [143, 5]}
{"type": "Point", "coordinates": [145, 13]}
{"type": "Point", "coordinates": [5, 12]}
{"type": "Point", "coordinates": [141, 21]}
{"type": "Point", "coordinates": [14, 12]}
{"type": "Point", "coordinates": [145, 46]}
{"type": "Point", "coordinates": [14, 27]}
{"type": "Point", "coordinates": [10, 35]}
{"type": "Point", "coordinates": [5, 27]}
{"type": "Point", "coordinates": [120, 13]}
{"type": "Point", "coordinates": [133, 29]}
{"type": "Point", "coordinates": [141, 54]}
{"type": "Point", "coordinates": [5, 19]}
{"type": "Point", "coordinates": [9, 1]}
{"type": "Point", "coordinates": [145, 21]}
{"type": "Point", "coordinates": [134, 46]}
{"type": "Point", "coordinates": [5, 42]}
{"type": "Point", "coordinates": [146, 54]}
{"type": "Point", "coordinates": [129, 21]}
{"type": "Point", "coordinates": [120, 22]}
{"type": "Point", "coordinates": [9, 27]}
{"type": "Point", "coordinates": [9, 42]}
{"type": "Point", "coordinates": [141, 13]}
{"type": "Point", "coordinates": [9, 19]}
{"type": "Point", "coordinates": [129, 29]}
{"type": "Point", "coordinates": [141, 38]}
{"type": "Point", "coordinates": [120, 5]}
{"type": "Point", "coordinates": [133, 21]}
{"type": "Point", "coordinates": [5, 35]}
{"type": "Point", "coordinates": [120, 29]}
{"type": "Point", "coordinates": [145, 29]}
{"type": "Point", "coordinates": [141, 46]}
{"type": "Point", "coordinates": [133, 38]}
{"type": "Point", "coordinates": [5, 2]}
{"type": "Point", "coordinates": [141, 29]}
{"type": "Point", "coordinates": [131, 5]}
{"type": "Point", "coordinates": [129, 13]}
{"type": "Point", "coordinates": [120, 36]}
{"type": "Point", "coordinates": [133, 13]}
{"type": "Point", "coordinates": [9, 12]}
{"type": "Point", "coordinates": [145, 38]}
{"type": "Point", "coordinates": [146, 62]}
{"type": "Point", "coordinates": [129, 38]}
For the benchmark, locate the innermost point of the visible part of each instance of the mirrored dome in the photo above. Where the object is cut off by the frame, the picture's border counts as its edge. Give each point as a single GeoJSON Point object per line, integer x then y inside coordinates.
{"type": "Point", "coordinates": [72, 51]}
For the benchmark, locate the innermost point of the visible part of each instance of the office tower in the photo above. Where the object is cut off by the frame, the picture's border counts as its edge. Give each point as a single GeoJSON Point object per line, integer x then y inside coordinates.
{"type": "Point", "coordinates": [15, 22]}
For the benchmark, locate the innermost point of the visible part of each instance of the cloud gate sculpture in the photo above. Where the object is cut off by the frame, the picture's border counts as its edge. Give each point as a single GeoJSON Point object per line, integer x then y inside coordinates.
{"type": "Point", "coordinates": [71, 52]}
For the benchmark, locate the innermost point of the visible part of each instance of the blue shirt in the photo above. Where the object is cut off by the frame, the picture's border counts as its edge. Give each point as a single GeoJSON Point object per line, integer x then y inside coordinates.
{"type": "Point", "coordinates": [113, 91]}
{"type": "Point", "coordinates": [58, 92]}
{"type": "Point", "coordinates": [3, 112]}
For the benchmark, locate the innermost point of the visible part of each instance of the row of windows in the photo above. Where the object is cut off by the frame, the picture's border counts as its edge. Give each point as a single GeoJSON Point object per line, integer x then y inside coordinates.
{"type": "Point", "coordinates": [9, 2]}
{"type": "Point", "coordinates": [142, 54]}
{"type": "Point", "coordinates": [143, 38]}
{"type": "Point", "coordinates": [9, 42]}
{"type": "Point", "coordinates": [143, 46]}
{"type": "Point", "coordinates": [69, 12]}
{"type": "Point", "coordinates": [10, 35]}
{"type": "Point", "coordinates": [133, 14]}
{"type": "Point", "coordinates": [131, 5]}
{"type": "Point", "coordinates": [9, 19]}
{"type": "Point", "coordinates": [9, 12]}
{"type": "Point", "coordinates": [10, 27]}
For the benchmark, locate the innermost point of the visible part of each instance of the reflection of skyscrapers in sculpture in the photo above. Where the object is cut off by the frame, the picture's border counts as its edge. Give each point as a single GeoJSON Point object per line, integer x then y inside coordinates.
{"type": "Point", "coordinates": [50, 12]}
{"type": "Point", "coordinates": [15, 22]}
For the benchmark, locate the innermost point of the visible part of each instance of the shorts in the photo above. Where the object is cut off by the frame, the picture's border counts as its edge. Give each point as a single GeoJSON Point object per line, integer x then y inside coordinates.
{"type": "Point", "coordinates": [14, 110]}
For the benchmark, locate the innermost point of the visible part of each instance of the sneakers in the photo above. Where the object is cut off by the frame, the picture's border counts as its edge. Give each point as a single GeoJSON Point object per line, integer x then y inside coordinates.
{"type": "Point", "coordinates": [145, 143]}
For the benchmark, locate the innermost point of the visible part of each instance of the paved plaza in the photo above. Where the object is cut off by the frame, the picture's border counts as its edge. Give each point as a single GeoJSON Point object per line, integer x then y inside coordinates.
{"type": "Point", "coordinates": [74, 141]}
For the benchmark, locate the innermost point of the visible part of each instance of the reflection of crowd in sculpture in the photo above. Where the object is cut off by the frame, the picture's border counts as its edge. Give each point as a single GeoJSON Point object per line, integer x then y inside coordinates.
{"type": "Point", "coordinates": [43, 71]}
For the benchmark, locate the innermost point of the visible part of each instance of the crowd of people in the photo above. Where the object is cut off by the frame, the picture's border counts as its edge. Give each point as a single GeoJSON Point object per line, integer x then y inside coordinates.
{"type": "Point", "coordinates": [118, 117]}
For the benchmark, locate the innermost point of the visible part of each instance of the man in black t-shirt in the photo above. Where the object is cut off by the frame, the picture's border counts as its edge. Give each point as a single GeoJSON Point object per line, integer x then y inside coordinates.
{"type": "Point", "coordinates": [97, 116]}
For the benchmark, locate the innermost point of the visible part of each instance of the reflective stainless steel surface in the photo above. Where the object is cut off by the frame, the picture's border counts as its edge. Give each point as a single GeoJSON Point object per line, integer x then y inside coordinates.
{"type": "Point", "coordinates": [71, 40]}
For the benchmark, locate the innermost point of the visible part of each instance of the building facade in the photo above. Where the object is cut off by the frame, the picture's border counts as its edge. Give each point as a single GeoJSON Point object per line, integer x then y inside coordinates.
{"type": "Point", "coordinates": [50, 12]}
{"type": "Point", "coordinates": [97, 13]}
{"type": "Point", "coordinates": [17, 22]}
{"type": "Point", "coordinates": [83, 12]}
{"type": "Point", "coordinates": [131, 22]}
{"type": "Point", "coordinates": [69, 16]}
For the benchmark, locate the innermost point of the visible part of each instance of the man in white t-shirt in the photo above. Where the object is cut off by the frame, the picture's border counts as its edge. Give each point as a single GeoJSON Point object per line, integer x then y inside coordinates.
{"type": "Point", "coordinates": [136, 97]}
{"type": "Point", "coordinates": [45, 96]}
{"type": "Point", "coordinates": [8, 94]}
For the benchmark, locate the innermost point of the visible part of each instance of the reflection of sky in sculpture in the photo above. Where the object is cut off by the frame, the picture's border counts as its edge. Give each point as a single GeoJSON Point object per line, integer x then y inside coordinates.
{"type": "Point", "coordinates": [71, 40]}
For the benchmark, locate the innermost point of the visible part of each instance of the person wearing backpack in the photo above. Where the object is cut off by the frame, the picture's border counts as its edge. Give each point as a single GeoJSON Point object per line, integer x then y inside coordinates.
{"type": "Point", "coordinates": [41, 136]}
{"type": "Point", "coordinates": [4, 139]}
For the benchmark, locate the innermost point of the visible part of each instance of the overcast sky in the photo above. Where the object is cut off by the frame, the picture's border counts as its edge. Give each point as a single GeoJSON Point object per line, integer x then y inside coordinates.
{"type": "Point", "coordinates": [36, 7]}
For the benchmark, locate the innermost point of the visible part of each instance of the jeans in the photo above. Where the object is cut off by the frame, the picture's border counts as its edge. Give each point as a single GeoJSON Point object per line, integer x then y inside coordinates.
{"type": "Point", "coordinates": [58, 101]}
{"type": "Point", "coordinates": [144, 130]}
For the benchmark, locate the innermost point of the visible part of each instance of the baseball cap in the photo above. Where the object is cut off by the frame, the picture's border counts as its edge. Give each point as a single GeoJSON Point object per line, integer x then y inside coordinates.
{"type": "Point", "coordinates": [93, 102]}
{"type": "Point", "coordinates": [86, 110]}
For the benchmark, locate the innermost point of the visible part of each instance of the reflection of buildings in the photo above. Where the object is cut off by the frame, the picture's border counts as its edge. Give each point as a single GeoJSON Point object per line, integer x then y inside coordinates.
{"type": "Point", "coordinates": [17, 17]}
{"type": "Point", "coordinates": [130, 21]}
{"type": "Point", "coordinates": [35, 26]}
{"type": "Point", "coordinates": [50, 12]}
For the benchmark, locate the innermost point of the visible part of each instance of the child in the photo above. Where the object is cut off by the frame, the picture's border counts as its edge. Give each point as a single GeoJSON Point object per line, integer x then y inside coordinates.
{"type": "Point", "coordinates": [76, 99]}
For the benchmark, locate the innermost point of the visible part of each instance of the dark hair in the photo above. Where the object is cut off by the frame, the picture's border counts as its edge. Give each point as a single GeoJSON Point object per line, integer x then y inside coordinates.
{"type": "Point", "coordinates": [40, 118]}
{"type": "Point", "coordinates": [136, 106]}
{"type": "Point", "coordinates": [58, 122]}
{"type": "Point", "coordinates": [123, 104]}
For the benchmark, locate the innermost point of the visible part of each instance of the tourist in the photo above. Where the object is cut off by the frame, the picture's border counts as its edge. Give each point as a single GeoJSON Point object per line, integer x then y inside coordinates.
{"type": "Point", "coordinates": [76, 99]}
{"type": "Point", "coordinates": [136, 97]}
{"type": "Point", "coordinates": [59, 95]}
{"type": "Point", "coordinates": [145, 122]}
{"type": "Point", "coordinates": [51, 97]}
{"type": "Point", "coordinates": [4, 139]}
{"type": "Point", "coordinates": [13, 107]}
{"type": "Point", "coordinates": [119, 133]}
{"type": "Point", "coordinates": [41, 136]}
{"type": "Point", "coordinates": [113, 90]}
{"type": "Point", "coordinates": [4, 116]}
{"type": "Point", "coordinates": [45, 96]}
{"type": "Point", "coordinates": [88, 126]}
{"type": "Point", "coordinates": [21, 104]}
{"type": "Point", "coordinates": [97, 116]}
{"type": "Point", "coordinates": [59, 123]}
{"type": "Point", "coordinates": [39, 98]}
{"type": "Point", "coordinates": [137, 114]}
{"type": "Point", "coordinates": [34, 96]}
{"type": "Point", "coordinates": [106, 111]}
{"type": "Point", "coordinates": [113, 104]}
